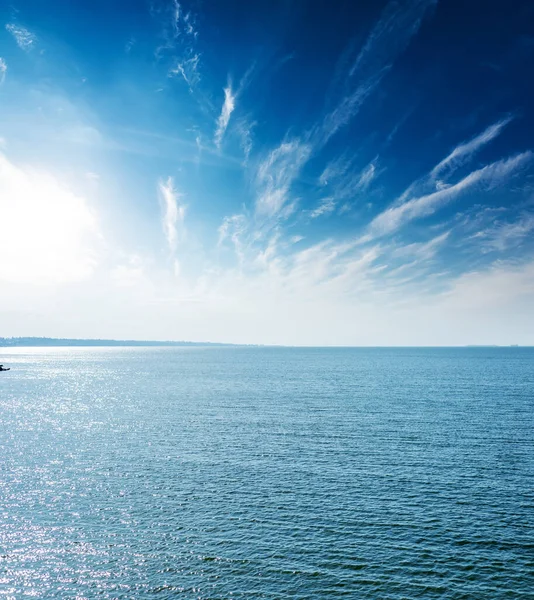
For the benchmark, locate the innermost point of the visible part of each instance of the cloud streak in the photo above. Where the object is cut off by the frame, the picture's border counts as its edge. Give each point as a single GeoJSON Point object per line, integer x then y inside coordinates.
{"type": "Point", "coordinates": [418, 207]}
{"type": "Point", "coordinates": [234, 228]}
{"type": "Point", "coordinates": [173, 212]}
{"type": "Point", "coordinates": [391, 35]}
{"type": "Point", "coordinates": [3, 70]}
{"type": "Point", "coordinates": [244, 129]}
{"type": "Point", "coordinates": [327, 207]}
{"type": "Point", "coordinates": [345, 111]}
{"type": "Point", "coordinates": [228, 108]}
{"type": "Point", "coordinates": [25, 39]}
{"type": "Point", "coordinates": [503, 236]}
{"type": "Point", "coordinates": [177, 26]}
{"type": "Point", "coordinates": [179, 39]}
{"type": "Point", "coordinates": [276, 175]}
{"type": "Point", "coordinates": [465, 150]}
{"type": "Point", "coordinates": [188, 69]}
{"type": "Point", "coordinates": [398, 24]}
{"type": "Point", "coordinates": [229, 105]}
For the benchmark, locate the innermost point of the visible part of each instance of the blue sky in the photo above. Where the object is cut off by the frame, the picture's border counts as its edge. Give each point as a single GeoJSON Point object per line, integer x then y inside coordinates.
{"type": "Point", "coordinates": [268, 172]}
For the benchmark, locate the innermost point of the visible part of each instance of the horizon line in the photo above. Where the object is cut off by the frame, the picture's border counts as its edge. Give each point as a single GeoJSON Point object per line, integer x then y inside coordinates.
{"type": "Point", "coordinates": [31, 342]}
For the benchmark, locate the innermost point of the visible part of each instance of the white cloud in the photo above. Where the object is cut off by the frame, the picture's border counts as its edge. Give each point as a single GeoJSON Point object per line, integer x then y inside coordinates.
{"type": "Point", "coordinates": [410, 208]}
{"type": "Point", "coordinates": [24, 38]}
{"type": "Point", "coordinates": [421, 250]}
{"type": "Point", "coordinates": [367, 176]}
{"type": "Point", "coordinates": [176, 17]}
{"type": "Point", "coordinates": [179, 43]}
{"type": "Point", "coordinates": [352, 185]}
{"type": "Point", "coordinates": [188, 68]}
{"type": "Point", "coordinates": [334, 169]}
{"type": "Point", "coordinates": [277, 173]}
{"type": "Point", "coordinates": [503, 236]}
{"type": "Point", "coordinates": [344, 112]}
{"type": "Point", "coordinates": [178, 26]}
{"type": "Point", "coordinates": [226, 112]}
{"type": "Point", "coordinates": [47, 233]}
{"type": "Point", "coordinates": [345, 185]}
{"type": "Point", "coordinates": [243, 126]}
{"type": "Point", "coordinates": [181, 22]}
{"type": "Point", "coordinates": [327, 294]}
{"type": "Point", "coordinates": [233, 228]}
{"type": "Point", "coordinates": [173, 212]}
{"type": "Point", "coordinates": [326, 207]}
{"type": "Point", "coordinates": [465, 150]}
{"type": "Point", "coordinates": [244, 130]}
{"type": "Point", "coordinates": [3, 70]}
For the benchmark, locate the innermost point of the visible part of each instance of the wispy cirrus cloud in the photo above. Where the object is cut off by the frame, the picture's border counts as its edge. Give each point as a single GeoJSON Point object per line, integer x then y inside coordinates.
{"type": "Point", "coordinates": [436, 179]}
{"type": "Point", "coordinates": [234, 229]}
{"type": "Point", "coordinates": [465, 150]}
{"type": "Point", "coordinates": [178, 26]}
{"type": "Point", "coordinates": [367, 175]}
{"type": "Point", "coordinates": [226, 112]}
{"type": "Point", "coordinates": [3, 70]}
{"type": "Point", "coordinates": [244, 128]}
{"type": "Point", "coordinates": [26, 40]}
{"type": "Point", "coordinates": [334, 169]}
{"type": "Point", "coordinates": [417, 207]}
{"type": "Point", "coordinates": [421, 250]}
{"type": "Point", "coordinates": [326, 207]}
{"type": "Point", "coordinates": [188, 68]}
{"type": "Point", "coordinates": [352, 266]}
{"type": "Point", "coordinates": [345, 183]}
{"type": "Point", "coordinates": [352, 184]}
{"type": "Point", "coordinates": [391, 35]}
{"type": "Point", "coordinates": [345, 111]}
{"type": "Point", "coordinates": [276, 175]}
{"type": "Point", "coordinates": [179, 35]}
{"type": "Point", "coordinates": [228, 107]}
{"type": "Point", "coordinates": [505, 235]}
{"type": "Point", "coordinates": [173, 212]}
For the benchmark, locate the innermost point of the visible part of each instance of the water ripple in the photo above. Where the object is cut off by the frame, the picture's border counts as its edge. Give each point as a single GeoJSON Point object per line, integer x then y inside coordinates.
{"type": "Point", "coordinates": [267, 473]}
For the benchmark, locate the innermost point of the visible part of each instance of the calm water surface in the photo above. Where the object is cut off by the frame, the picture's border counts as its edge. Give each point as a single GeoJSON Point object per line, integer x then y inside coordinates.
{"type": "Point", "coordinates": [267, 473]}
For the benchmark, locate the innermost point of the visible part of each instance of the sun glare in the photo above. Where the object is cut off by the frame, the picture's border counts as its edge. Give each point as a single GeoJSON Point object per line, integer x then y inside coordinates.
{"type": "Point", "coordinates": [47, 233]}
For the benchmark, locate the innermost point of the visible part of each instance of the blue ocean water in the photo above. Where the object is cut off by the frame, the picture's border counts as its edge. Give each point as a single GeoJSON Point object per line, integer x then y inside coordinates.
{"type": "Point", "coordinates": [213, 473]}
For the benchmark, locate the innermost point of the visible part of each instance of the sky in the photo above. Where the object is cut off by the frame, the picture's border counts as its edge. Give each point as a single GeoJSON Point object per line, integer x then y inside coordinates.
{"type": "Point", "coordinates": [275, 172]}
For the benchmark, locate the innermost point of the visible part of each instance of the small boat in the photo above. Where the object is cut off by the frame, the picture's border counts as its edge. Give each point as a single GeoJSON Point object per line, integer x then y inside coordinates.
{"type": "Point", "coordinates": [2, 368]}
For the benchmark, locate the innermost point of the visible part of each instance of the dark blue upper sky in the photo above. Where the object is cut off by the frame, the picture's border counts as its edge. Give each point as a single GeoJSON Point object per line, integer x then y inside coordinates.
{"type": "Point", "coordinates": [380, 151]}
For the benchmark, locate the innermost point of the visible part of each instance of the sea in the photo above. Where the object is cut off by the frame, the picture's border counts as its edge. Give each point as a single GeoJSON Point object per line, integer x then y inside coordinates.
{"type": "Point", "coordinates": [229, 472]}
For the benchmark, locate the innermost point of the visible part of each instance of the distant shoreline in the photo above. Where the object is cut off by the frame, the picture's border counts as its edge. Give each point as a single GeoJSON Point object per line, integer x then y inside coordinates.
{"type": "Point", "coordinates": [30, 342]}
{"type": "Point", "coordinates": [34, 342]}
